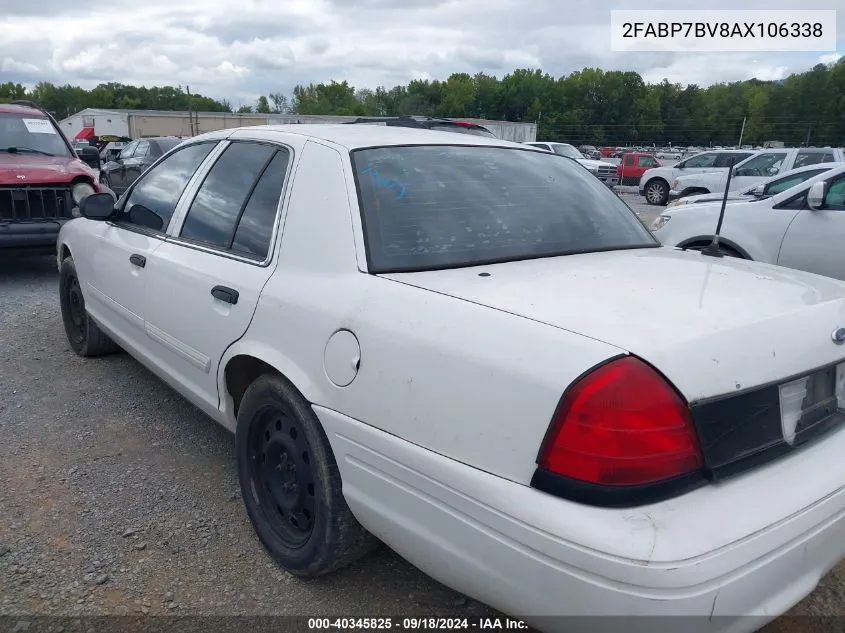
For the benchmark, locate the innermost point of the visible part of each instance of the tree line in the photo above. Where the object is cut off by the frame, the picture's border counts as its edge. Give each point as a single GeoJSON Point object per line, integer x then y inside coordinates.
{"type": "Point", "coordinates": [589, 106]}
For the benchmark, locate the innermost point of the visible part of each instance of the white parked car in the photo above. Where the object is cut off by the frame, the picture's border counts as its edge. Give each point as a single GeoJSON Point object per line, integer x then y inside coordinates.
{"type": "Point", "coordinates": [671, 154]}
{"type": "Point", "coordinates": [764, 189]}
{"type": "Point", "coordinates": [802, 227]}
{"type": "Point", "coordinates": [754, 170]}
{"type": "Point", "coordinates": [601, 169]}
{"type": "Point", "coordinates": [655, 183]}
{"type": "Point", "coordinates": [475, 352]}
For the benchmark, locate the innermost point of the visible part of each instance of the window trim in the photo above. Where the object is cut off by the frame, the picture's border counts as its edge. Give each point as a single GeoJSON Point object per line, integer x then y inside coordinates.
{"type": "Point", "coordinates": [143, 230]}
{"type": "Point", "coordinates": [193, 187]}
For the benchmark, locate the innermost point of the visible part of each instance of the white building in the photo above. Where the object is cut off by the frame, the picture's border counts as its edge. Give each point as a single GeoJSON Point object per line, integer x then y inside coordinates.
{"type": "Point", "coordinates": [138, 123]}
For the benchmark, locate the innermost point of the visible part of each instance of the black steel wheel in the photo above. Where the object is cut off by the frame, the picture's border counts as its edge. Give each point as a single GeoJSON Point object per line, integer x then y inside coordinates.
{"type": "Point", "coordinates": [76, 312]}
{"type": "Point", "coordinates": [291, 484]}
{"type": "Point", "coordinates": [83, 334]}
{"type": "Point", "coordinates": [280, 467]}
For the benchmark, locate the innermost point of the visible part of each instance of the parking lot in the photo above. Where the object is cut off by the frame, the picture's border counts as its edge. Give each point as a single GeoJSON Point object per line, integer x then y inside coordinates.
{"type": "Point", "coordinates": [118, 497]}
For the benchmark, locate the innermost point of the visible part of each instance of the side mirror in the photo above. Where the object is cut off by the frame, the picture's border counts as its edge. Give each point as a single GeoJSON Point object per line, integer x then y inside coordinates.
{"type": "Point", "coordinates": [759, 191]}
{"type": "Point", "coordinates": [679, 166]}
{"type": "Point", "coordinates": [815, 197]}
{"type": "Point", "coordinates": [97, 206]}
{"type": "Point", "coordinates": [89, 155]}
{"type": "Point", "coordinates": [142, 216]}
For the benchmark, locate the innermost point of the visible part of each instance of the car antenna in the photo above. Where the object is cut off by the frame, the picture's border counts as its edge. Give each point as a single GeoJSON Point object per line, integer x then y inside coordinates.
{"type": "Point", "coordinates": [712, 249]}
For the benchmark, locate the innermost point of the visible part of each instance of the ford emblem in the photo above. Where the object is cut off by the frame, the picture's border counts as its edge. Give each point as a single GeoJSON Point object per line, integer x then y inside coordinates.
{"type": "Point", "coordinates": [838, 335]}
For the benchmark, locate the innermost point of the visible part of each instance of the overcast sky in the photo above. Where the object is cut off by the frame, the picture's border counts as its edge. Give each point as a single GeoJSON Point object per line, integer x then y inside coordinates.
{"type": "Point", "coordinates": [238, 49]}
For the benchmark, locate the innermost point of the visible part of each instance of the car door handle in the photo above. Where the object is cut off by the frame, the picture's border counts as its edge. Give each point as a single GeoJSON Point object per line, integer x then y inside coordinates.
{"type": "Point", "coordinates": [225, 294]}
{"type": "Point", "coordinates": [139, 260]}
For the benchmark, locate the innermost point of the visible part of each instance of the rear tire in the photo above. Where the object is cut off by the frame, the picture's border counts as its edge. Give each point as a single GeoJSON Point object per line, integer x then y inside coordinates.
{"type": "Point", "coordinates": [85, 336]}
{"type": "Point", "coordinates": [291, 484]}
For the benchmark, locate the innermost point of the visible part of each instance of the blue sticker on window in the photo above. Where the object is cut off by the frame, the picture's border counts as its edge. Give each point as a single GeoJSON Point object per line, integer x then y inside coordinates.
{"type": "Point", "coordinates": [385, 183]}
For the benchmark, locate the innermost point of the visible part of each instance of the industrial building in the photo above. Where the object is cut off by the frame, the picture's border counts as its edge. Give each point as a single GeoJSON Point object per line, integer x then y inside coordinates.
{"type": "Point", "coordinates": [139, 123]}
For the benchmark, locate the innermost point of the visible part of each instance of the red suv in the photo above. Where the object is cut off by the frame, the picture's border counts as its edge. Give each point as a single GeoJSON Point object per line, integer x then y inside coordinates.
{"type": "Point", "coordinates": [633, 165]}
{"type": "Point", "coordinates": [42, 179]}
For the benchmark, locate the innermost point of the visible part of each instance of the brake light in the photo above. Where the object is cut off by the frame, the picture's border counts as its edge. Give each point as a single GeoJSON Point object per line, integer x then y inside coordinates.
{"type": "Point", "coordinates": [464, 124]}
{"type": "Point", "coordinates": [622, 424]}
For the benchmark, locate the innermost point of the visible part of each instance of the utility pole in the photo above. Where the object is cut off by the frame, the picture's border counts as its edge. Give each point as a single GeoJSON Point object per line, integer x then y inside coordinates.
{"type": "Point", "coordinates": [190, 115]}
{"type": "Point", "coordinates": [809, 130]}
{"type": "Point", "coordinates": [741, 132]}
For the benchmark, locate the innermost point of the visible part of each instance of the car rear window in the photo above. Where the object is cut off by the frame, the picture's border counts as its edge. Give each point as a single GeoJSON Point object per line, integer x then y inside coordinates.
{"type": "Point", "coordinates": [429, 207]}
{"type": "Point", "coordinates": [167, 144]}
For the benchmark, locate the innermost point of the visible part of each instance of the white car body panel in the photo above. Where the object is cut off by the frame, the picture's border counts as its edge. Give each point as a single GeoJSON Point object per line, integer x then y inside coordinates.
{"type": "Point", "coordinates": [457, 377]}
{"type": "Point", "coordinates": [803, 239]}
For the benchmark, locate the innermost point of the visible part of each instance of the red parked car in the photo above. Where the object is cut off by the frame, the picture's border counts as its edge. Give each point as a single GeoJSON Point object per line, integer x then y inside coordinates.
{"type": "Point", "coordinates": [42, 178]}
{"type": "Point", "coordinates": [633, 165]}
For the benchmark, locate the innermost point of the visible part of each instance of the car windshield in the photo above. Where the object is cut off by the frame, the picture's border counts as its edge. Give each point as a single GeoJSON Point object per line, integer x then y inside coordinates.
{"type": "Point", "coordinates": [564, 149]}
{"type": "Point", "coordinates": [33, 134]}
{"type": "Point", "coordinates": [429, 207]}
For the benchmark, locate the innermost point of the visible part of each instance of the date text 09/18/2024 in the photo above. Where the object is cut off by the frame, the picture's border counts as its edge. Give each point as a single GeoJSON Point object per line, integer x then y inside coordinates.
{"type": "Point", "coordinates": [417, 624]}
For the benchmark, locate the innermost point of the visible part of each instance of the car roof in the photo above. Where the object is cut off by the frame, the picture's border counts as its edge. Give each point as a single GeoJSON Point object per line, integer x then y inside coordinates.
{"type": "Point", "coordinates": [11, 108]}
{"type": "Point", "coordinates": [360, 136]}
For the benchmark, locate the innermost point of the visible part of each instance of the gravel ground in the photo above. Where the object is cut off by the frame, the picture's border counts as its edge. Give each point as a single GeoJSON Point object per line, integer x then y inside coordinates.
{"type": "Point", "coordinates": [117, 497]}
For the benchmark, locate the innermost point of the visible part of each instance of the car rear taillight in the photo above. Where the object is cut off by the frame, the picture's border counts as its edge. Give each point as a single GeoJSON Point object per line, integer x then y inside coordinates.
{"type": "Point", "coordinates": [621, 425]}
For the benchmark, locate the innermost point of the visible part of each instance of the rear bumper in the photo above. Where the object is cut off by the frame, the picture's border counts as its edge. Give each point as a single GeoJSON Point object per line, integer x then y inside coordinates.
{"type": "Point", "coordinates": [29, 235]}
{"type": "Point", "coordinates": [559, 565]}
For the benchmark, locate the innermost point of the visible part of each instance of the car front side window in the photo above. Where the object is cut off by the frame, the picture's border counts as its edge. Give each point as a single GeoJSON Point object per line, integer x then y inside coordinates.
{"type": "Point", "coordinates": [153, 199]}
{"type": "Point", "coordinates": [128, 151]}
{"type": "Point", "coordinates": [787, 182]}
{"type": "Point", "coordinates": [834, 199]}
{"type": "Point", "coordinates": [142, 150]}
{"type": "Point", "coordinates": [762, 166]}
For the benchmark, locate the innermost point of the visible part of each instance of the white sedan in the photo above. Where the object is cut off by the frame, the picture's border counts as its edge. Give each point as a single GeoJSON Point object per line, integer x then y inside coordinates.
{"type": "Point", "coordinates": [475, 352]}
{"type": "Point", "coordinates": [802, 227]}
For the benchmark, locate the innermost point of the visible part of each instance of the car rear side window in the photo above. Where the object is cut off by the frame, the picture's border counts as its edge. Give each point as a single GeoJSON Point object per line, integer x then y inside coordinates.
{"type": "Point", "coordinates": [805, 158]}
{"type": "Point", "coordinates": [429, 207]}
{"type": "Point", "coordinates": [255, 228]}
{"type": "Point", "coordinates": [216, 208]}
{"type": "Point", "coordinates": [153, 199]}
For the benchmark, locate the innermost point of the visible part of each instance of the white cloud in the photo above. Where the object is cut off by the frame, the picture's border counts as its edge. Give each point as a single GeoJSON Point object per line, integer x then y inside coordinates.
{"type": "Point", "coordinates": [13, 65]}
{"type": "Point", "coordinates": [830, 58]}
{"type": "Point", "coordinates": [263, 46]}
